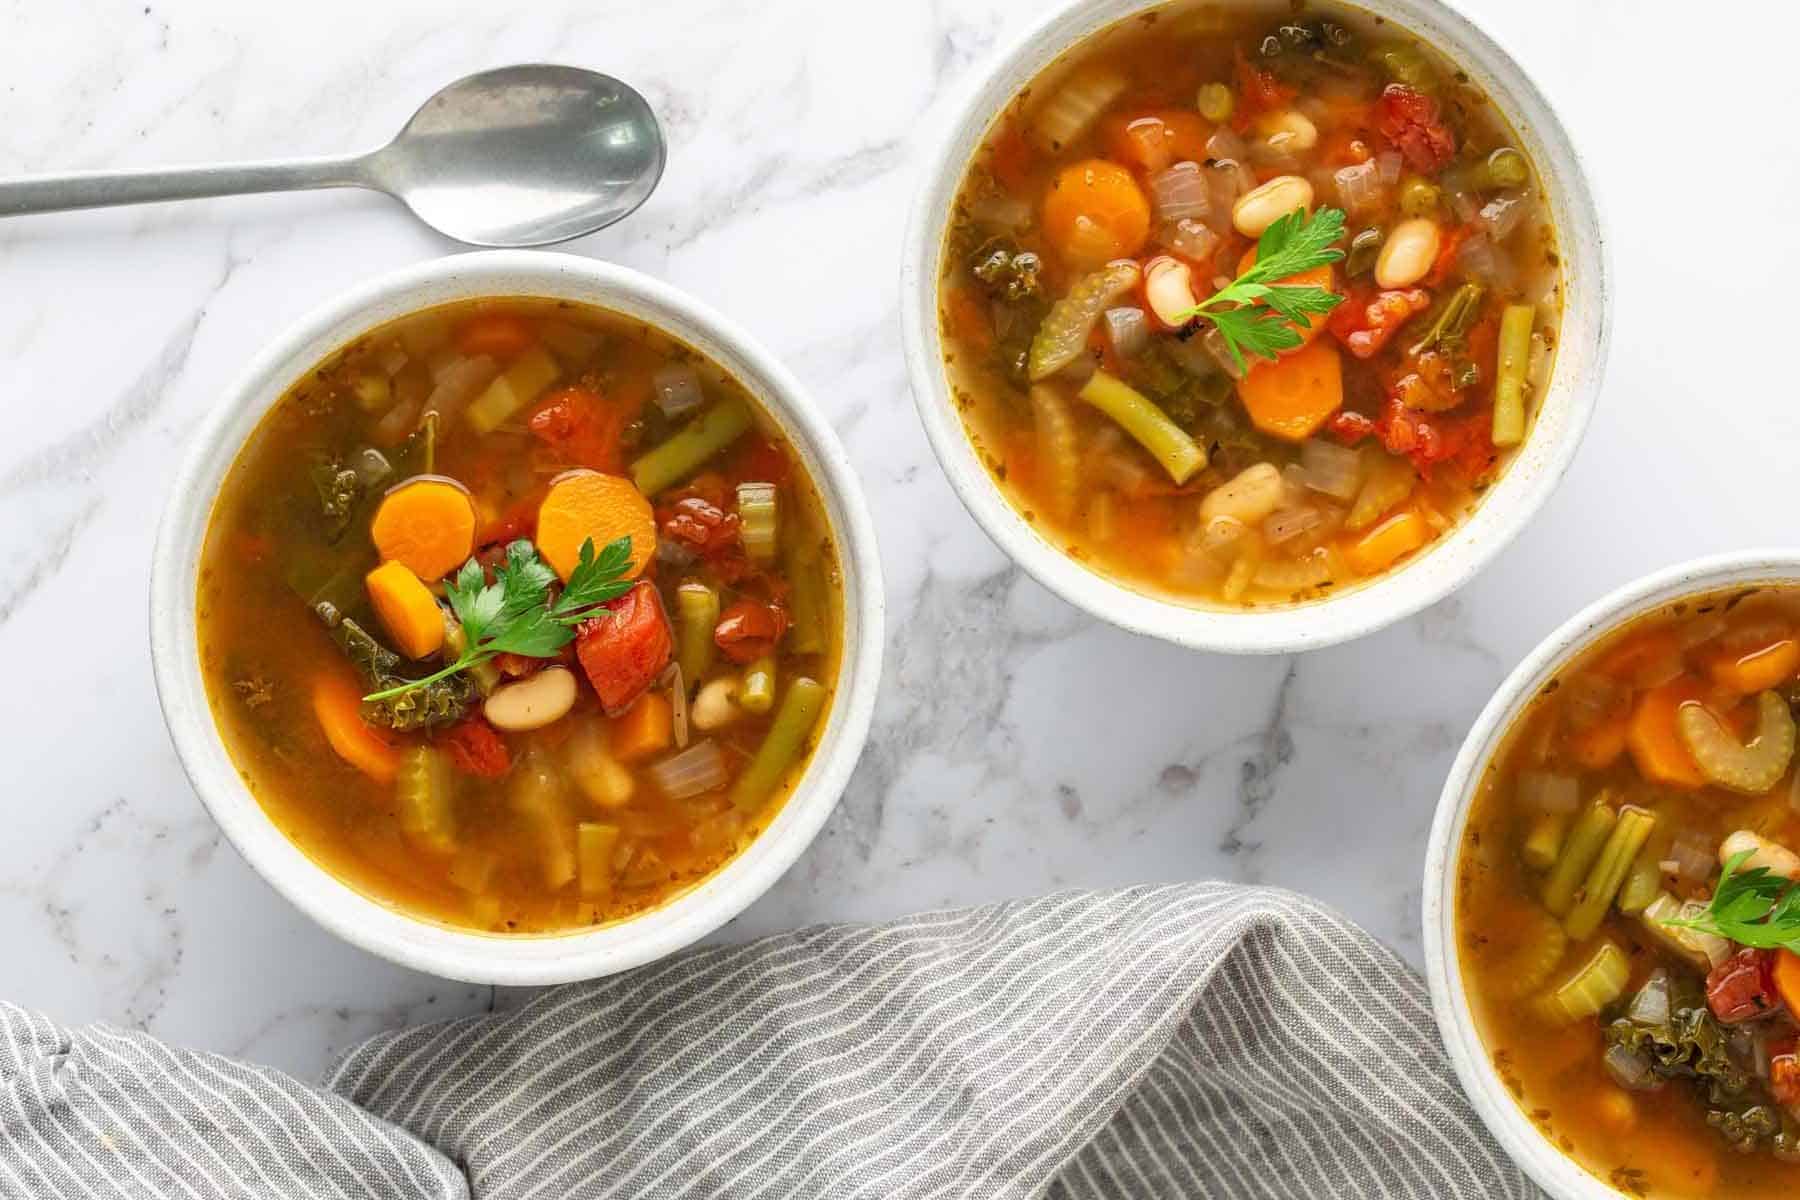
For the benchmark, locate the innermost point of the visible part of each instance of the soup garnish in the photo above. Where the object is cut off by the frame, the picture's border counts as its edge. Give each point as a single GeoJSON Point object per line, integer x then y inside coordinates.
{"type": "Point", "coordinates": [1243, 309]}
{"type": "Point", "coordinates": [516, 615]}
{"type": "Point", "coordinates": [1627, 910]}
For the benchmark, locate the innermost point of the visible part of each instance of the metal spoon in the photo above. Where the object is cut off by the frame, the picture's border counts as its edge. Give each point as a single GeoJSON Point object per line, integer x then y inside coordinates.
{"type": "Point", "coordinates": [519, 156]}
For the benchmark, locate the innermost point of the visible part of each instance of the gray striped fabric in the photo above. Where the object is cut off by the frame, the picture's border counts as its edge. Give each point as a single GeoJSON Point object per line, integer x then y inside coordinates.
{"type": "Point", "coordinates": [1195, 1040]}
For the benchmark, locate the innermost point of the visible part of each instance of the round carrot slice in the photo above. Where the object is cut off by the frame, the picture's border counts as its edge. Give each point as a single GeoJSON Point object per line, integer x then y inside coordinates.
{"type": "Point", "coordinates": [426, 524]}
{"type": "Point", "coordinates": [1095, 211]}
{"type": "Point", "coordinates": [586, 504]}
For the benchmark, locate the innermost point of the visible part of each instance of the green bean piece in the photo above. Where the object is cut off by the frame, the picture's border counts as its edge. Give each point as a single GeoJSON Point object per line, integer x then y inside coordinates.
{"type": "Point", "coordinates": [423, 783]}
{"type": "Point", "coordinates": [1506, 167]}
{"type": "Point", "coordinates": [1580, 849]}
{"type": "Point", "coordinates": [1215, 102]}
{"type": "Point", "coordinates": [793, 724]}
{"type": "Point", "coordinates": [690, 448]}
{"type": "Point", "coordinates": [1544, 841]}
{"type": "Point", "coordinates": [595, 843]}
{"type": "Point", "coordinates": [1365, 249]}
{"type": "Point", "coordinates": [1509, 382]}
{"type": "Point", "coordinates": [806, 591]}
{"type": "Point", "coordinates": [759, 519]}
{"type": "Point", "coordinates": [1607, 874]}
{"type": "Point", "coordinates": [696, 617]}
{"type": "Point", "coordinates": [1418, 197]}
{"type": "Point", "coordinates": [1179, 454]}
{"type": "Point", "coordinates": [756, 694]}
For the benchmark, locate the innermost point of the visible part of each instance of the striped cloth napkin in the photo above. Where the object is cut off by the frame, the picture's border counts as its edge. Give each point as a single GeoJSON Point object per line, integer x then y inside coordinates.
{"type": "Point", "coordinates": [1193, 1040]}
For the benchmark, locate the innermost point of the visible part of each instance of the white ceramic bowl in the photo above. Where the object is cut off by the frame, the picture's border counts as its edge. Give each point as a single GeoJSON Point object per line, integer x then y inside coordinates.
{"type": "Point", "coordinates": [477, 957]}
{"type": "Point", "coordinates": [1549, 1167]}
{"type": "Point", "coordinates": [1429, 577]}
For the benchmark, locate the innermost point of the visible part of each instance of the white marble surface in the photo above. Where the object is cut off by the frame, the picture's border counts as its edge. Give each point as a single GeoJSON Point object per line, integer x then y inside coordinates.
{"type": "Point", "coordinates": [1019, 747]}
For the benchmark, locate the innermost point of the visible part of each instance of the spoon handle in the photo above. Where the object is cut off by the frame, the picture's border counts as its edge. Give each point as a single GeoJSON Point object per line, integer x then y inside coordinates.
{"type": "Point", "coordinates": [101, 189]}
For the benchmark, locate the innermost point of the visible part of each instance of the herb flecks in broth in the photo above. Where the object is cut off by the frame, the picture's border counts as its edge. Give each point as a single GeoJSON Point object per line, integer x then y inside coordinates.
{"type": "Point", "coordinates": [1292, 259]}
{"type": "Point", "coordinates": [519, 615]}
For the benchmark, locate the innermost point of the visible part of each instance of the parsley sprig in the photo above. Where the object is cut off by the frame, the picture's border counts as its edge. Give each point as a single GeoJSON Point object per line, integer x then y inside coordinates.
{"type": "Point", "coordinates": [1254, 314]}
{"type": "Point", "coordinates": [1753, 908]}
{"type": "Point", "coordinates": [515, 614]}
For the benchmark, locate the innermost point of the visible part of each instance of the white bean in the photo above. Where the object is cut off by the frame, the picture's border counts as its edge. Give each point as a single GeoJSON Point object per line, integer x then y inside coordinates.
{"type": "Point", "coordinates": [1408, 253]}
{"type": "Point", "coordinates": [1288, 132]}
{"type": "Point", "coordinates": [1169, 289]}
{"type": "Point", "coordinates": [1248, 498]}
{"type": "Point", "coordinates": [1261, 207]}
{"type": "Point", "coordinates": [716, 706]}
{"type": "Point", "coordinates": [531, 703]}
{"type": "Point", "coordinates": [1776, 858]}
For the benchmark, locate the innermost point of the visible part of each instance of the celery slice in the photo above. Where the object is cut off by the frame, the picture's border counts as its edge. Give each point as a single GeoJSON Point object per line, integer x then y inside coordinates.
{"type": "Point", "coordinates": [424, 786]}
{"type": "Point", "coordinates": [1596, 984]}
{"type": "Point", "coordinates": [1584, 844]}
{"type": "Point", "coordinates": [1604, 878]}
{"type": "Point", "coordinates": [757, 692]}
{"type": "Point", "coordinates": [690, 448]}
{"type": "Point", "coordinates": [1544, 840]}
{"type": "Point", "coordinates": [1752, 769]}
{"type": "Point", "coordinates": [759, 519]}
{"type": "Point", "coordinates": [513, 389]}
{"type": "Point", "coordinates": [594, 847]}
{"type": "Point", "coordinates": [696, 617]}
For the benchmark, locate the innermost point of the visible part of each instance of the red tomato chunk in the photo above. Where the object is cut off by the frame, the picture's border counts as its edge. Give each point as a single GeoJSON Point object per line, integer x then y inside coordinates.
{"type": "Point", "coordinates": [1742, 988]}
{"type": "Point", "coordinates": [625, 651]}
{"type": "Point", "coordinates": [1410, 121]}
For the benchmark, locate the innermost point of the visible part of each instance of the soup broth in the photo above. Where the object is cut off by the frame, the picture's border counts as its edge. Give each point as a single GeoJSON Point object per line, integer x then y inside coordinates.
{"type": "Point", "coordinates": [519, 615]}
{"type": "Point", "coordinates": [1130, 389]}
{"type": "Point", "coordinates": [1606, 976]}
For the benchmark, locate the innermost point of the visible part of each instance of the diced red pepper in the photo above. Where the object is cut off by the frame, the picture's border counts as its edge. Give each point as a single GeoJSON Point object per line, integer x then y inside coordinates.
{"type": "Point", "coordinates": [1742, 988]}
{"type": "Point", "coordinates": [748, 630]}
{"type": "Point", "coordinates": [1364, 322]}
{"type": "Point", "coordinates": [1409, 119]}
{"type": "Point", "coordinates": [476, 749]}
{"type": "Point", "coordinates": [579, 427]}
{"type": "Point", "coordinates": [624, 651]}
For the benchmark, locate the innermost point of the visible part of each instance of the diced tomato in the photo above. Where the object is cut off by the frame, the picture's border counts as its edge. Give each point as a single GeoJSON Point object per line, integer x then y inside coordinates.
{"type": "Point", "coordinates": [1346, 148]}
{"type": "Point", "coordinates": [1349, 428]}
{"type": "Point", "coordinates": [476, 749]}
{"type": "Point", "coordinates": [1784, 1073]}
{"type": "Point", "coordinates": [1444, 443]}
{"type": "Point", "coordinates": [623, 651]}
{"type": "Point", "coordinates": [498, 335]}
{"type": "Point", "coordinates": [1742, 988]}
{"type": "Point", "coordinates": [580, 428]}
{"type": "Point", "coordinates": [756, 459]}
{"type": "Point", "coordinates": [1410, 120]}
{"type": "Point", "coordinates": [1258, 91]}
{"type": "Point", "coordinates": [698, 524]}
{"type": "Point", "coordinates": [748, 630]}
{"type": "Point", "coordinates": [1365, 322]}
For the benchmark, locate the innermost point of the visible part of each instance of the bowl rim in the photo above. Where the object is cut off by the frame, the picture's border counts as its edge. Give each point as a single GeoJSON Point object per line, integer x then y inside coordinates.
{"type": "Point", "coordinates": [1510, 504]}
{"type": "Point", "coordinates": [387, 931]}
{"type": "Point", "coordinates": [1549, 1167]}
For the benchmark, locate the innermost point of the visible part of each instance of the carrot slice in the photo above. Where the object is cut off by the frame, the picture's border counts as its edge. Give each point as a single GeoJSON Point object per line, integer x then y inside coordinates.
{"type": "Point", "coordinates": [1294, 396]}
{"type": "Point", "coordinates": [643, 729]}
{"type": "Point", "coordinates": [1388, 542]}
{"type": "Point", "coordinates": [1763, 668]}
{"type": "Point", "coordinates": [426, 524]}
{"type": "Point", "coordinates": [1095, 212]}
{"type": "Point", "coordinates": [586, 504]}
{"type": "Point", "coordinates": [1787, 979]}
{"type": "Point", "coordinates": [407, 609]}
{"type": "Point", "coordinates": [497, 335]}
{"type": "Point", "coordinates": [1321, 276]}
{"type": "Point", "coordinates": [337, 705]}
{"type": "Point", "coordinates": [1654, 737]}
{"type": "Point", "coordinates": [1599, 745]}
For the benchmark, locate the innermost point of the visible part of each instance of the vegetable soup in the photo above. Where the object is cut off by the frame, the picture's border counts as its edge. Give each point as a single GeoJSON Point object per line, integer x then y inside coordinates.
{"type": "Point", "coordinates": [1243, 306]}
{"type": "Point", "coordinates": [1626, 911]}
{"type": "Point", "coordinates": [519, 615]}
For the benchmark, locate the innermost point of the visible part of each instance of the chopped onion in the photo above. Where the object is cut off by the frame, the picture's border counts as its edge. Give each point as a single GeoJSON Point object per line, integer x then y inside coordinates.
{"type": "Point", "coordinates": [458, 383]}
{"type": "Point", "coordinates": [1501, 215]}
{"type": "Point", "coordinates": [1190, 239]}
{"type": "Point", "coordinates": [1288, 523]}
{"type": "Point", "coordinates": [1701, 630]}
{"type": "Point", "coordinates": [1360, 188]}
{"type": "Point", "coordinates": [1658, 670]}
{"type": "Point", "coordinates": [1331, 469]}
{"type": "Point", "coordinates": [1000, 211]}
{"type": "Point", "coordinates": [1484, 263]}
{"type": "Point", "coordinates": [1388, 163]}
{"type": "Point", "coordinates": [1589, 699]}
{"type": "Point", "coordinates": [1549, 791]}
{"type": "Point", "coordinates": [1214, 341]}
{"type": "Point", "coordinates": [371, 466]}
{"type": "Point", "coordinates": [1465, 205]}
{"type": "Point", "coordinates": [1538, 370]}
{"type": "Point", "coordinates": [671, 553]}
{"type": "Point", "coordinates": [1190, 356]}
{"type": "Point", "coordinates": [1226, 179]}
{"type": "Point", "coordinates": [1630, 1070]}
{"type": "Point", "coordinates": [1221, 534]}
{"type": "Point", "coordinates": [392, 359]}
{"type": "Point", "coordinates": [699, 768]}
{"type": "Point", "coordinates": [1180, 192]}
{"type": "Point", "coordinates": [677, 390]}
{"type": "Point", "coordinates": [1691, 857]}
{"type": "Point", "coordinates": [1651, 1004]}
{"type": "Point", "coordinates": [1127, 329]}
{"type": "Point", "coordinates": [1225, 143]}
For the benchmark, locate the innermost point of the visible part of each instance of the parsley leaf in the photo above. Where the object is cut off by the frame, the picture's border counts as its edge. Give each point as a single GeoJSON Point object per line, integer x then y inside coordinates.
{"type": "Point", "coordinates": [1753, 908]}
{"type": "Point", "coordinates": [1255, 313]}
{"type": "Point", "coordinates": [515, 614]}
